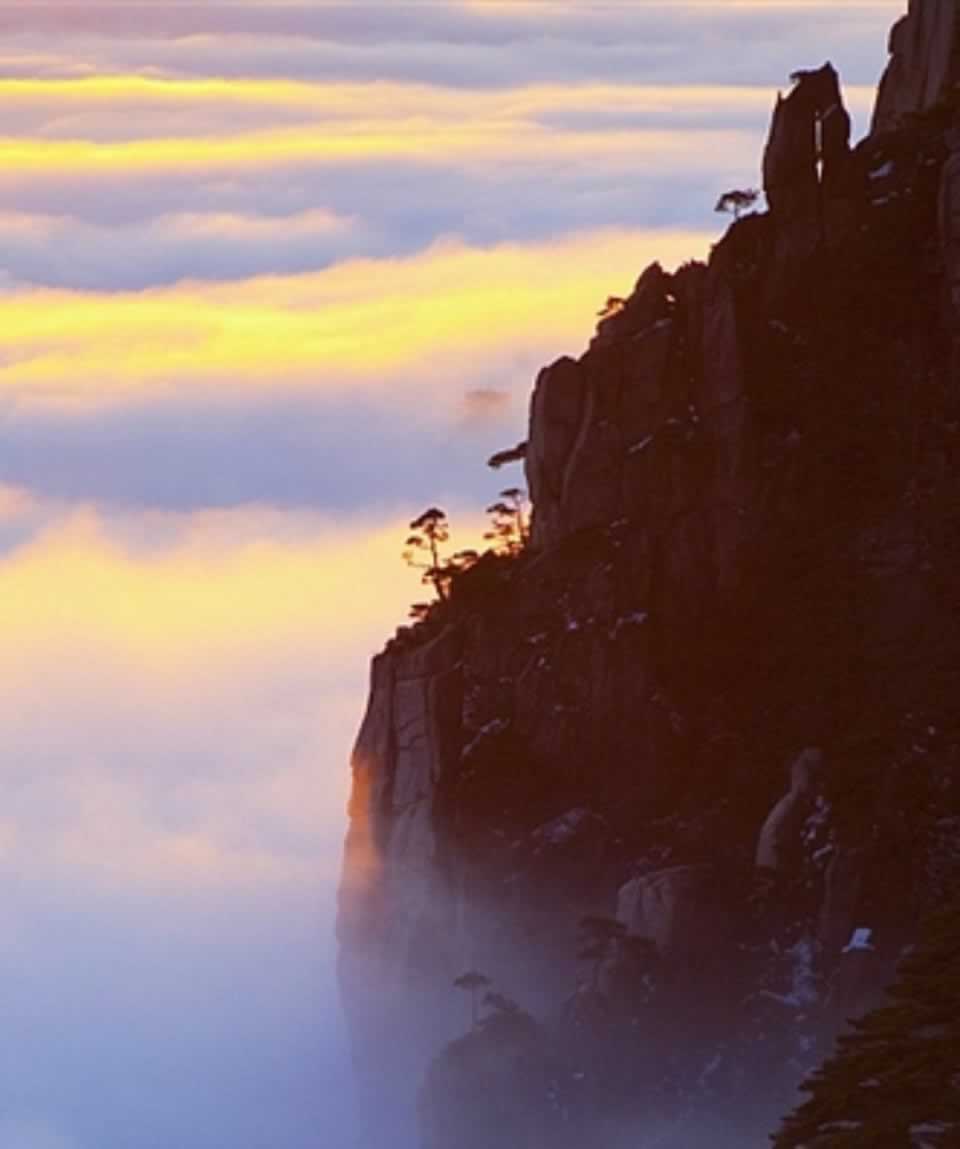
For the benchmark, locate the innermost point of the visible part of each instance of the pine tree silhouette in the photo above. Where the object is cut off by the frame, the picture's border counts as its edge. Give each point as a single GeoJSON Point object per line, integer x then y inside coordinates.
{"type": "Point", "coordinates": [894, 1081]}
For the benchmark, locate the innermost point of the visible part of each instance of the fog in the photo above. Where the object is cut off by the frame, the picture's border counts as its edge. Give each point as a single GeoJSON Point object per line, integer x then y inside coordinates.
{"type": "Point", "coordinates": [179, 700]}
{"type": "Point", "coordinates": [154, 1024]}
{"type": "Point", "coordinates": [197, 1012]}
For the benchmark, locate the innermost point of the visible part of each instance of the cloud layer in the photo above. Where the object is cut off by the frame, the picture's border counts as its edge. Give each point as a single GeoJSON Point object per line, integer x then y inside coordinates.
{"type": "Point", "coordinates": [253, 622]}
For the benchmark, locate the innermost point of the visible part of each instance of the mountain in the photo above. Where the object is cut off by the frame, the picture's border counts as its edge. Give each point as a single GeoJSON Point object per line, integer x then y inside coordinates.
{"type": "Point", "coordinates": [711, 706]}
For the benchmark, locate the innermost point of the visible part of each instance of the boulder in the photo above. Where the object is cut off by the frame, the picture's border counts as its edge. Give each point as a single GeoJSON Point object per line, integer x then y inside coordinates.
{"type": "Point", "coordinates": [678, 909]}
{"type": "Point", "coordinates": [781, 831]}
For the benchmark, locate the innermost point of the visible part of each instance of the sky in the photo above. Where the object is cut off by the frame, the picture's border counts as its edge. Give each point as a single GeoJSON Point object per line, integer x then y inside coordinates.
{"type": "Point", "coordinates": [273, 278]}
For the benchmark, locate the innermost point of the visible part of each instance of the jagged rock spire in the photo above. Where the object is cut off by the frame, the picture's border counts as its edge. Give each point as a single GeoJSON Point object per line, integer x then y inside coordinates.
{"type": "Point", "coordinates": [809, 143]}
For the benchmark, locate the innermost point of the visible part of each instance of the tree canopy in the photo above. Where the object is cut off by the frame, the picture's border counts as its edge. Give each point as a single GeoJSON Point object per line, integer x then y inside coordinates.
{"type": "Point", "coordinates": [508, 529]}
{"type": "Point", "coordinates": [509, 455]}
{"type": "Point", "coordinates": [423, 551]}
{"type": "Point", "coordinates": [737, 201]}
{"type": "Point", "coordinates": [614, 305]}
{"type": "Point", "coordinates": [894, 1080]}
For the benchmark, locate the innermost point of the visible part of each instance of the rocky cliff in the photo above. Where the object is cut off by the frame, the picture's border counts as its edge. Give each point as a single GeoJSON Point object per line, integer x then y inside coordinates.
{"type": "Point", "coordinates": [715, 697]}
{"type": "Point", "coordinates": [924, 62]}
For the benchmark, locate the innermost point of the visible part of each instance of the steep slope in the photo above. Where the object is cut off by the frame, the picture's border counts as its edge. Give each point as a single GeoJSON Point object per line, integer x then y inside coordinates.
{"type": "Point", "coordinates": [716, 696]}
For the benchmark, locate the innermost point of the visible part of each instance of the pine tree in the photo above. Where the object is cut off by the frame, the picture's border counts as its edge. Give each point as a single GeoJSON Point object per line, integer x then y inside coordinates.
{"type": "Point", "coordinates": [894, 1081]}
{"type": "Point", "coordinates": [509, 529]}
{"type": "Point", "coordinates": [431, 531]}
{"type": "Point", "coordinates": [737, 201]}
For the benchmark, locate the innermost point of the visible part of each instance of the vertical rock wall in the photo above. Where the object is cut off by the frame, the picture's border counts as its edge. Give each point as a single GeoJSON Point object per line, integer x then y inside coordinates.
{"type": "Point", "coordinates": [950, 235]}
{"type": "Point", "coordinates": [924, 67]}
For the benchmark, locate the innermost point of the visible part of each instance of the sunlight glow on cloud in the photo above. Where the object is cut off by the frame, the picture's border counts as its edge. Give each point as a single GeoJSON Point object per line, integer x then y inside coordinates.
{"type": "Point", "coordinates": [91, 107]}
{"type": "Point", "coordinates": [176, 600]}
{"type": "Point", "coordinates": [152, 639]}
{"type": "Point", "coordinates": [125, 182]}
{"type": "Point", "coordinates": [373, 324]}
{"type": "Point", "coordinates": [431, 144]}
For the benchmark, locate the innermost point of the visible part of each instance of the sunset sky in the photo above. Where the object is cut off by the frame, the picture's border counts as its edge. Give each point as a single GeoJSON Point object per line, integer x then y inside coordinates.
{"type": "Point", "coordinates": [272, 278]}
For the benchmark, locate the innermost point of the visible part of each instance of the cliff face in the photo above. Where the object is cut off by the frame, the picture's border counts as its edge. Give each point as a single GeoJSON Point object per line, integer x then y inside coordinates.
{"type": "Point", "coordinates": [716, 696]}
{"type": "Point", "coordinates": [925, 62]}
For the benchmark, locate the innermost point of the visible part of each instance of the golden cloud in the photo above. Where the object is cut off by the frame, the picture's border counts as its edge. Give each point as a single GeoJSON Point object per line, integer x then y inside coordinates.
{"type": "Point", "coordinates": [366, 103]}
{"type": "Point", "coordinates": [128, 127]}
{"type": "Point", "coordinates": [403, 328]}
{"type": "Point", "coordinates": [473, 146]}
{"type": "Point", "coordinates": [207, 587]}
{"type": "Point", "coordinates": [178, 693]}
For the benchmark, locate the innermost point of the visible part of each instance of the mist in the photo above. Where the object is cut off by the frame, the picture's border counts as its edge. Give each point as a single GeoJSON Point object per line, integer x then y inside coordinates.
{"type": "Point", "coordinates": [138, 1021]}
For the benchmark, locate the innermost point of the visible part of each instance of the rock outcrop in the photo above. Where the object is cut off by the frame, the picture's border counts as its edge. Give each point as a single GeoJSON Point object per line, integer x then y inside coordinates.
{"type": "Point", "coordinates": [924, 69]}
{"type": "Point", "coordinates": [781, 832]}
{"type": "Point", "coordinates": [679, 910]}
{"type": "Point", "coordinates": [745, 545]}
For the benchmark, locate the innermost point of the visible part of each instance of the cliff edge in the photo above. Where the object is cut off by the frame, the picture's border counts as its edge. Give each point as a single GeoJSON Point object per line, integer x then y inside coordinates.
{"type": "Point", "coordinates": [714, 700]}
